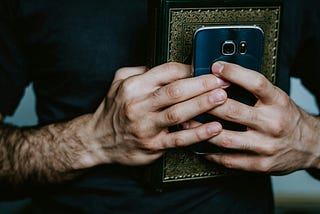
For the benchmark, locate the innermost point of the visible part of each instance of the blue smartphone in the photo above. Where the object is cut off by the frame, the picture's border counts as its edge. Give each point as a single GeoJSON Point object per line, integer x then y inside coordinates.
{"type": "Point", "coordinates": [242, 45]}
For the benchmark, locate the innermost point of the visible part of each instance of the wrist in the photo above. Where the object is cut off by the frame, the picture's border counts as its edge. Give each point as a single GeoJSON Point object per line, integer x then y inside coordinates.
{"type": "Point", "coordinates": [311, 138]}
{"type": "Point", "coordinates": [95, 140]}
{"type": "Point", "coordinates": [316, 140]}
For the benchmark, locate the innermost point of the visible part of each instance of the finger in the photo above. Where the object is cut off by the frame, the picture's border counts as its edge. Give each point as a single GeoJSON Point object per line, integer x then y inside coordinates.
{"type": "Point", "coordinates": [189, 109]}
{"type": "Point", "coordinates": [191, 136]}
{"type": "Point", "coordinates": [238, 112]}
{"type": "Point", "coordinates": [156, 77]}
{"type": "Point", "coordinates": [190, 124]}
{"type": "Point", "coordinates": [182, 90]}
{"type": "Point", "coordinates": [166, 73]}
{"type": "Point", "coordinates": [246, 162]}
{"type": "Point", "coordinates": [124, 73]}
{"type": "Point", "coordinates": [248, 141]}
{"type": "Point", "coordinates": [251, 80]}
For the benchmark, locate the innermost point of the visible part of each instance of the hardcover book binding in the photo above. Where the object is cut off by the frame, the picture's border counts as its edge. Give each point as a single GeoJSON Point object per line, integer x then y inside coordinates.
{"type": "Point", "coordinates": [173, 23]}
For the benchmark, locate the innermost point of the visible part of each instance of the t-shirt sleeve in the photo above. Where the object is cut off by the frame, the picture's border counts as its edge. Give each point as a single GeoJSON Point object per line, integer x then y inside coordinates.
{"type": "Point", "coordinates": [306, 60]}
{"type": "Point", "coordinates": [305, 65]}
{"type": "Point", "coordinates": [13, 67]}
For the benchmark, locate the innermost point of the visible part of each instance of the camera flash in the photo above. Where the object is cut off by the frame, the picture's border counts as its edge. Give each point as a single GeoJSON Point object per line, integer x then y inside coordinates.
{"type": "Point", "coordinates": [243, 47]}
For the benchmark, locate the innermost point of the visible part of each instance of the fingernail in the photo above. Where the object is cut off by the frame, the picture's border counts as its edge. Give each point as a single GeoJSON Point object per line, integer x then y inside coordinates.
{"type": "Point", "coordinates": [213, 129]}
{"type": "Point", "coordinates": [217, 67]}
{"type": "Point", "coordinates": [222, 82]}
{"type": "Point", "coordinates": [217, 96]}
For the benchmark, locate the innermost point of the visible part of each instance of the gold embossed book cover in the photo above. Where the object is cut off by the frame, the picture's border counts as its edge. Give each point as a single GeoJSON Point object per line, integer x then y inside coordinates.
{"type": "Point", "coordinates": [172, 26]}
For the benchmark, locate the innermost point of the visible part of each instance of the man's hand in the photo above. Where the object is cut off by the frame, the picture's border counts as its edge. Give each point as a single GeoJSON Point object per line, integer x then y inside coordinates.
{"type": "Point", "coordinates": [280, 138]}
{"type": "Point", "coordinates": [131, 125]}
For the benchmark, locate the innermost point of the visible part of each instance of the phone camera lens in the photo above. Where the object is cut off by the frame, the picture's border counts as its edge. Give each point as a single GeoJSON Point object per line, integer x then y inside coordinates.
{"type": "Point", "coordinates": [243, 47]}
{"type": "Point", "coordinates": [228, 48]}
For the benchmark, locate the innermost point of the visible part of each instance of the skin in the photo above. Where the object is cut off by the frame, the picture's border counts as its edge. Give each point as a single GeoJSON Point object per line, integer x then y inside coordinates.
{"type": "Point", "coordinates": [280, 138]}
{"type": "Point", "coordinates": [130, 127]}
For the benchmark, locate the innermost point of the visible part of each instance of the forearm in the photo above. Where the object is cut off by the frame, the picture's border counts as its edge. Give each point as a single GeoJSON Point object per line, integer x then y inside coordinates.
{"type": "Point", "coordinates": [52, 153]}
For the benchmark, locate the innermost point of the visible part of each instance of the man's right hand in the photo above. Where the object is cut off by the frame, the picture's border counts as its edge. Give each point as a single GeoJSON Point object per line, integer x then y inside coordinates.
{"type": "Point", "coordinates": [130, 126]}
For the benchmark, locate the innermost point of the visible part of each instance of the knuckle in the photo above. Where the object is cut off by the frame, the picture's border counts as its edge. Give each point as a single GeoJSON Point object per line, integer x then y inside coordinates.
{"type": "Point", "coordinates": [156, 95]}
{"type": "Point", "coordinates": [226, 142]}
{"type": "Point", "coordinates": [172, 66]}
{"type": "Point", "coordinates": [129, 111]}
{"type": "Point", "coordinates": [199, 104]}
{"type": "Point", "coordinates": [260, 84]}
{"type": "Point", "coordinates": [263, 166]}
{"type": "Point", "coordinates": [128, 86]}
{"type": "Point", "coordinates": [178, 142]}
{"type": "Point", "coordinates": [156, 99]}
{"type": "Point", "coordinates": [173, 92]}
{"type": "Point", "coordinates": [282, 98]}
{"type": "Point", "coordinates": [227, 162]}
{"type": "Point", "coordinates": [135, 130]}
{"type": "Point", "coordinates": [148, 145]}
{"type": "Point", "coordinates": [141, 129]}
{"type": "Point", "coordinates": [152, 147]}
{"type": "Point", "coordinates": [120, 73]}
{"type": "Point", "coordinates": [278, 128]}
{"type": "Point", "coordinates": [172, 116]}
{"type": "Point", "coordinates": [199, 136]}
{"type": "Point", "coordinates": [233, 112]}
{"type": "Point", "coordinates": [271, 150]}
{"type": "Point", "coordinates": [208, 83]}
{"type": "Point", "coordinates": [253, 116]}
{"type": "Point", "coordinates": [245, 147]}
{"type": "Point", "coordinates": [127, 72]}
{"type": "Point", "coordinates": [177, 70]}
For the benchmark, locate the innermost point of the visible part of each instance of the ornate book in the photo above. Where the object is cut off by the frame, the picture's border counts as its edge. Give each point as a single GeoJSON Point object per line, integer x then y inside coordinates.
{"type": "Point", "coordinates": [173, 23]}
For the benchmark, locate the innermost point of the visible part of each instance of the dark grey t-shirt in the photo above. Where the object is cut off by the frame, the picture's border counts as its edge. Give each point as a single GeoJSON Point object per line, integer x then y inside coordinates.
{"type": "Point", "coordinates": [70, 51]}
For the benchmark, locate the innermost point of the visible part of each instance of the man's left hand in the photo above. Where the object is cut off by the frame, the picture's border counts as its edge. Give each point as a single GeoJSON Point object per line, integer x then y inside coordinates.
{"type": "Point", "coordinates": [280, 138]}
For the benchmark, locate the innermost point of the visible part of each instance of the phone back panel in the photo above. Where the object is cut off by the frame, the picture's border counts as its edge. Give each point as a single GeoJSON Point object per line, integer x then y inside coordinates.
{"type": "Point", "coordinates": [208, 44]}
{"type": "Point", "coordinates": [208, 48]}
